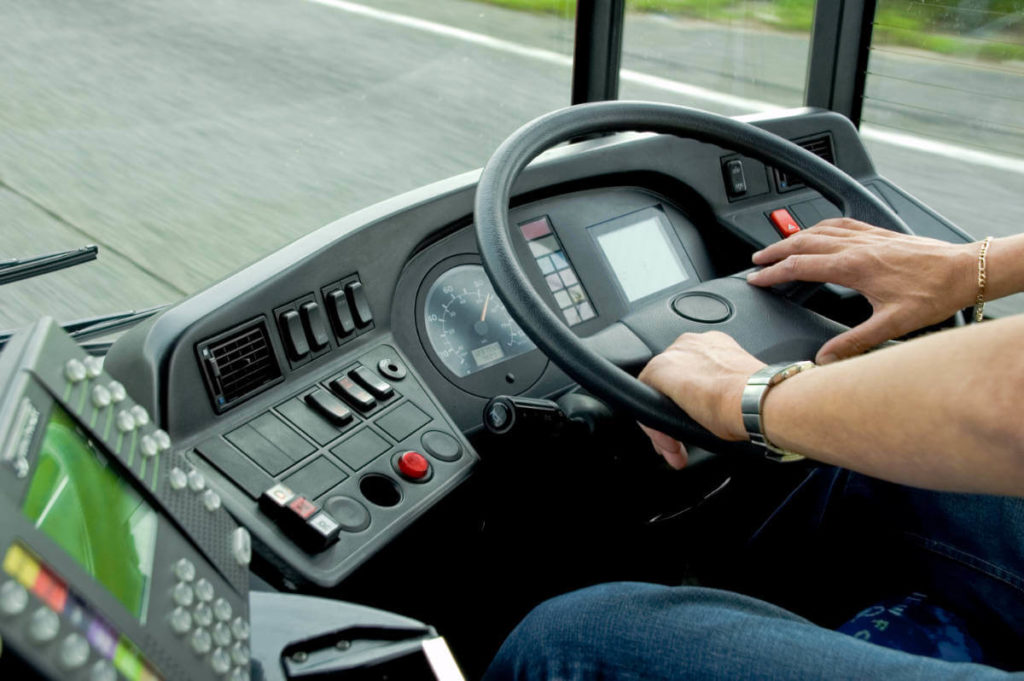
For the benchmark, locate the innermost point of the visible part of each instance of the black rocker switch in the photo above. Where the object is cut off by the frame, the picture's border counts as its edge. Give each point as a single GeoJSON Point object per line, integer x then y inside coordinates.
{"type": "Point", "coordinates": [313, 321]}
{"type": "Point", "coordinates": [357, 299]}
{"type": "Point", "coordinates": [330, 407]}
{"type": "Point", "coordinates": [353, 392]}
{"type": "Point", "coordinates": [340, 313]}
{"type": "Point", "coordinates": [366, 378]}
{"type": "Point", "coordinates": [294, 335]}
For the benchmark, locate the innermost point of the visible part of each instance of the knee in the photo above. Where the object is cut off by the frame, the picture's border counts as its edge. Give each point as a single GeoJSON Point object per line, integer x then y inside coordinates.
{"type": "Point", "coordinates": [568, 637]}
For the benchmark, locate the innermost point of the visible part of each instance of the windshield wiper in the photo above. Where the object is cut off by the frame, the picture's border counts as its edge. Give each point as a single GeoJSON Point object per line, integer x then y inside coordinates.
{"type": "Point", "coordinates": [25, 268]}
{"type": "Point", "coordinates": [91, 327]}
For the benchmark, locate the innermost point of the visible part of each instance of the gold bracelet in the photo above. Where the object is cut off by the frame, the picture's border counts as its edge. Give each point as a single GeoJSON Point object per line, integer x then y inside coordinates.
{"type": "Point", "coordinates": [979, 302]}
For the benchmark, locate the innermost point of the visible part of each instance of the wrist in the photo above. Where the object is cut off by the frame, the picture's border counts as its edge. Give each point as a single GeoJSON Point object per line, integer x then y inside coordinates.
{"type": "Point", "coordinates": [732, 404]}
{"type": "Point", "coordinates": [759, 386]}
{"type": "Point", "coordinates": [965, 274]}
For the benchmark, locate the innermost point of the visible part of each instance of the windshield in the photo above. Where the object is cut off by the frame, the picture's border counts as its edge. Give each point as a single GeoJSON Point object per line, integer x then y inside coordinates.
{"type": "Point", "coordinates": [190, 138]}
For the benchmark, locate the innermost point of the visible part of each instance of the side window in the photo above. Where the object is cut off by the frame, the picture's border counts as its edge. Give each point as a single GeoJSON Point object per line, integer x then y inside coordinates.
{"type": "Point", "coordinates": [942, 110]}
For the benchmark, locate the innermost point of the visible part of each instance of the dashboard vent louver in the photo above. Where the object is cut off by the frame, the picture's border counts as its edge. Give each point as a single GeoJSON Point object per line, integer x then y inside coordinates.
{"type": "Point", "coordinates": [238, 363]}
{"type": "Point", "coordinates": [820, 146]}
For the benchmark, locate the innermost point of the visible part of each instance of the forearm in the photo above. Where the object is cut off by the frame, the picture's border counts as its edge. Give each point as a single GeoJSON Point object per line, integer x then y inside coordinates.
{"type": "Point", "coordinates": [937, 412]}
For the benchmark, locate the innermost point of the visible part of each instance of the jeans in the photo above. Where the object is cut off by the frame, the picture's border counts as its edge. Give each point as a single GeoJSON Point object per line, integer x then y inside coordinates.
{"type": "Point", "coordinates": [966, 549]}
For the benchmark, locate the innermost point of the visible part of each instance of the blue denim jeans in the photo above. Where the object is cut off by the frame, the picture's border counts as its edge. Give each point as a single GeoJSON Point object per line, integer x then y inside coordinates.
{"type": "Point", "coordinates": [967, 549]}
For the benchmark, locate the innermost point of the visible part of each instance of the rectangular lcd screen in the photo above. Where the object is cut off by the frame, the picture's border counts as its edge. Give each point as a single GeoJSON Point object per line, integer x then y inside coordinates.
{"type": "Point", "coordinates": [99, 519]}
{"type": "Point", "coordinates": [641, 254]}
{"type": "Point", "coordinates": [488, 354]}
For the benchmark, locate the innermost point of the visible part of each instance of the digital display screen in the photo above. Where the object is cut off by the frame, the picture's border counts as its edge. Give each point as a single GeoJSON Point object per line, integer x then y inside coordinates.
{"type": "Point", "coordinates": [641, 254]}
{"type": "Point", "coordinates": [489, 353]}
{"type": "Point", "coordinates": [95, 516]}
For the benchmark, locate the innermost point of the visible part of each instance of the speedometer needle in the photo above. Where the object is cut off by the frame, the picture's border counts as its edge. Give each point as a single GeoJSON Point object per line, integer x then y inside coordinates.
{"type": "Point", "coordinates": [487, 300]}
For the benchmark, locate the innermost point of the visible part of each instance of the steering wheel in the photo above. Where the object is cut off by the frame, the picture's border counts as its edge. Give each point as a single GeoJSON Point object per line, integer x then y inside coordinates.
{"type": "Point", "coordinates": [765, 323]}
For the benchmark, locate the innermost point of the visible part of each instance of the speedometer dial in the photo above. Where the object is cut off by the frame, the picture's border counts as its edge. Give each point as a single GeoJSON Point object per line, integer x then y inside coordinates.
{"type": "Point", "coordinates": [467, 325]}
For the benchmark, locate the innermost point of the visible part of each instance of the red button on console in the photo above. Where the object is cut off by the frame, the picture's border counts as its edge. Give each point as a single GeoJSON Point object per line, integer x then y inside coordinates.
{"type": "Point", "coordinates": [784, 223]}
{"type": "Point", "coordinates": [413, 465]}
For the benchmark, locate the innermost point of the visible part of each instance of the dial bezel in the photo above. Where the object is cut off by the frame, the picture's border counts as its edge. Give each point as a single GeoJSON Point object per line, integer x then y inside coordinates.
{"type": "Point", "coordinates": [525, 369]}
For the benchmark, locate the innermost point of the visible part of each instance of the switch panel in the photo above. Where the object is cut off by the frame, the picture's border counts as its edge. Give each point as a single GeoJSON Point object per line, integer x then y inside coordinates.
{"type": "Point", "coordinates": [303, 329]}
{"type": "Point", "coordinates": [348, 308]}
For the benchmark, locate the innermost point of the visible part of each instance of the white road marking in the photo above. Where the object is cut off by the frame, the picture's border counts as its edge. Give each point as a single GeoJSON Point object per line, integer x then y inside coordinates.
{"type": "Point", "coordinates": [920, 144]}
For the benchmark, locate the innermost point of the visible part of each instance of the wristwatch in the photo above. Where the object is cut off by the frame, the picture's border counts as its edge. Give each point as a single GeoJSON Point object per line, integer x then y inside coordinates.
{"type": "Point", "coordinates": [758, 385]}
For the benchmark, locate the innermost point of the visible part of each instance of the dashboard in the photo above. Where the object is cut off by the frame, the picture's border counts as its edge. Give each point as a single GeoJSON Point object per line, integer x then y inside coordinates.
{"type": "Point", "coordinates": [342, 376]}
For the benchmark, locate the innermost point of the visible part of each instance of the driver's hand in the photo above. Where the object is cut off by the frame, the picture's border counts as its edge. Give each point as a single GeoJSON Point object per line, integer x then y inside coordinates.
{"type": "Point", "coordinates": [910, 281]}
{"type": "Point", "coordinates": [704, 373]}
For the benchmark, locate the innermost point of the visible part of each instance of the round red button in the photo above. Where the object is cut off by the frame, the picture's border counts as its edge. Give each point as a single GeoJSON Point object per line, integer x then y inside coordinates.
{"type": "Point", "coordinates": [413, 465]}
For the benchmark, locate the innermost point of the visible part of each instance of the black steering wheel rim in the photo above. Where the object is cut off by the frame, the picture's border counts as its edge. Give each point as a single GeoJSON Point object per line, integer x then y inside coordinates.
{"type": "Point", "coordinates": [511, 283]}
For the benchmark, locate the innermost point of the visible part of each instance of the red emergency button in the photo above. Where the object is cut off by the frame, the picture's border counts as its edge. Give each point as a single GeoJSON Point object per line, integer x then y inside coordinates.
{"type": "Point", "coordinates": [413, 465]}
{"type": "Point", "coordinates": [784, 223]}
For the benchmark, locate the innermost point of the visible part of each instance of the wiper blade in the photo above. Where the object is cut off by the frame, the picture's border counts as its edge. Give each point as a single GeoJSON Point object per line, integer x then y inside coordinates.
{"type": "Point", "coordinates": [97, 326]}
{"type": "Point", "coordinates": [25, 268]}
{"type": "Point", "coordinates": [91, 327]}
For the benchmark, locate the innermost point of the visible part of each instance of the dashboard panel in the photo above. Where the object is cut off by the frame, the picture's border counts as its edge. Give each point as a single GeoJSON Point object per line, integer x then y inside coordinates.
{"type": "Point", "coordinates": [273, 376]}
{"type": "Point", "coordinates": [559, 243]}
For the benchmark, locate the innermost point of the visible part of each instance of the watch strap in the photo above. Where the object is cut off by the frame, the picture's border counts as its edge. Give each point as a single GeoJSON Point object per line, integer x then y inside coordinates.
{"type": "Point", "coordinates": [757, 387]}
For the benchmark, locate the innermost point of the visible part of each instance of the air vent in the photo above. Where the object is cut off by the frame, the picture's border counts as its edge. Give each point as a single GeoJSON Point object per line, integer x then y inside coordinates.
{"type": "Point", "coordinates": [819, 146]}
{"type": "Point", "coordinates": [238, 363]}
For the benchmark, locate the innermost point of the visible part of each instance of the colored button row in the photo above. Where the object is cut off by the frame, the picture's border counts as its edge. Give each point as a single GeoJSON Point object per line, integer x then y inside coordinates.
{"type": "Point", "coordinates": [44, 623]}
{"type": "Point", "coordinates": [312, 528]}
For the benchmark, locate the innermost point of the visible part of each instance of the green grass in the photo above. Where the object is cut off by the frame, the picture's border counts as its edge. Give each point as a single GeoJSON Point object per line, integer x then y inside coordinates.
{"type": "Point", "coordinates": [910, 24]}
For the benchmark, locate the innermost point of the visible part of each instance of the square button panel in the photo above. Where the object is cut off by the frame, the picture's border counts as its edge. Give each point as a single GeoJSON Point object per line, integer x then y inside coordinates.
{"type": "Point", "coordinates": [558, 272]}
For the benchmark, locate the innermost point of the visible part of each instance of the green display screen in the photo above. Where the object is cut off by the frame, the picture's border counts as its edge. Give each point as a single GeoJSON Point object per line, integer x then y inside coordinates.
{"type": "Point", "coordinates": [94, 515]}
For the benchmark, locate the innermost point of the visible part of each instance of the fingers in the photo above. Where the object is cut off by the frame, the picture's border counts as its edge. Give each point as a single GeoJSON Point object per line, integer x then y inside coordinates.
{"type": "Point", "coordinates": [669, 448]}
{"type": "Point", "coordinates": [858, 340]}
{"type": "Point", "coordinates": [798, 267]}
{"type": "Point", "coordinates": [800, 243]}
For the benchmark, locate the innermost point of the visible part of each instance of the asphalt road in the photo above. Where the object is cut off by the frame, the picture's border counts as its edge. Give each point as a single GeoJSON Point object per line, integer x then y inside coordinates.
{"type": "Point", "coordinates": [190, 138]}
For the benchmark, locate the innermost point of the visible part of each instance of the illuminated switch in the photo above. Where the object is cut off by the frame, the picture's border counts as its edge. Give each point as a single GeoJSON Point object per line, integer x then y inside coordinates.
{"type": "Point", "coordinates": [784, 223]}
{"type": "Point", "coordinates": [322, 531]}
{"type": "Point", "coordinates": [329, 406]}
{"type": "Point", "coordinates": [347, 388]}
{"type": "Point", "coordinates": [302, 508]}
{"type": "Point", "coordinates": [275, 500]}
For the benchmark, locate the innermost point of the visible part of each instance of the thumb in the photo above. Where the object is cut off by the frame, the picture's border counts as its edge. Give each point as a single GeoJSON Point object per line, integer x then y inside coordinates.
{"type": "Point", "coordinates": [858, 340]}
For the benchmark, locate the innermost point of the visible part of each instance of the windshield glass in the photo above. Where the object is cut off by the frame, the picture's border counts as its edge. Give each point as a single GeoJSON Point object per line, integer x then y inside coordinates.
{"type": "Point", "coordinates": [727, 56]}
{"type": "Point", "coordinates": [190, 138]}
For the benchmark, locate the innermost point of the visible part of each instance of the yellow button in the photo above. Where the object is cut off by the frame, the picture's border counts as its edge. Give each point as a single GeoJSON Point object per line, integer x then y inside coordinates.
{"type": "Point", "coordinates": [21, 565]}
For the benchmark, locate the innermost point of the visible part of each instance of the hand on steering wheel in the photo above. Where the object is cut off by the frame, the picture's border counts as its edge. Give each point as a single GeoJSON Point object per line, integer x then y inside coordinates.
{"type": "Point", "coordinates": [704, 373]}
{"type": "Point", "coordinates": [910, 281]}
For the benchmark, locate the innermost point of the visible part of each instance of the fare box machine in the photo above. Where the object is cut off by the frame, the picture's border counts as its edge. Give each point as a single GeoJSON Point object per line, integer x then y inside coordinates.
{"type": "Point", "coordinates": [119, 562]}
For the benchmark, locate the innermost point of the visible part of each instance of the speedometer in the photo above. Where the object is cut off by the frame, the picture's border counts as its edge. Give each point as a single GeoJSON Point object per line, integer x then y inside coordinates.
{"type": "Point", "coordinates": [467, 325]}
